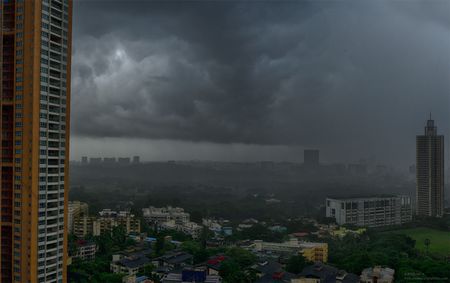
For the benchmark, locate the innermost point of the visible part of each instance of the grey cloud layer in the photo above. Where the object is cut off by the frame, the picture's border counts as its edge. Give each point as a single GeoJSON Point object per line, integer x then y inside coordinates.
{"type": "Point", "coordinates": [336, 75]}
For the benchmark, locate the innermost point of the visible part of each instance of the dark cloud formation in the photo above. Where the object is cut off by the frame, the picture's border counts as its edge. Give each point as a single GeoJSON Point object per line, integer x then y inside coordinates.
{"type": "Point", "coordinates": [354, 78]}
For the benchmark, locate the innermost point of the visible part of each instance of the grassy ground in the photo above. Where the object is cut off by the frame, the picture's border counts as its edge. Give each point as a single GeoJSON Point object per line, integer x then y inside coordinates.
{"type": "Point", "coordinates": [439, 240]}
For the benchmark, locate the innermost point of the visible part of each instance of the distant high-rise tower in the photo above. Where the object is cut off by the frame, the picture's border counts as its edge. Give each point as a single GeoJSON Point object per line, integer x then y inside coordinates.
{"type": "Point", "coordinates": [311, 157]}
{"type": "Point", "coordinates": [136, 159]}
{"type": "Point", "coordinates": [35, 54]}
{"type": "Point", "coordinates": [430, 172]}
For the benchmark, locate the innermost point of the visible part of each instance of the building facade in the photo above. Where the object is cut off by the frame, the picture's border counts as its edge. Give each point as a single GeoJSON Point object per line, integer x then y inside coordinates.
{"type": "Point", "coordinates": [83, 226]}
{"type": "Point", "coordinates": [377, 274]}
{"type": "Point", "coordinates": [430, 172]}
{"type": "Point", "coordinates": [76, 209]}
{"type": "Point", "coordinates": [108, 219]}
{"type": "Point", "coordinates": [314, 252]}
{"type": "Point", "coordinates": [35, 51]}
{"type": "Point", "coordinates": [164, 214]}
{"type": "Point", "coordinates": [85, 250]}
{"type": "Point", "coordinates": [370, 212]}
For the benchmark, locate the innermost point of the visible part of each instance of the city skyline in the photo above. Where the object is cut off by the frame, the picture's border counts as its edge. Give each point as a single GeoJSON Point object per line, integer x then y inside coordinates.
{"type": "Point", "coordinates": [234, 80]}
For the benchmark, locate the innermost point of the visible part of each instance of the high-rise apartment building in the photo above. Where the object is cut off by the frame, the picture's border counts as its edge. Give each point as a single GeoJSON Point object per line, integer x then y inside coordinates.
{"type": "Point", "coordinates": [35, 50]}
{"type": "Point", "coordinates": [430, 172]}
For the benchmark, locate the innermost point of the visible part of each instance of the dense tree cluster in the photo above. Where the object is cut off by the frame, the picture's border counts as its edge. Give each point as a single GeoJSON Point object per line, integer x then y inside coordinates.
{"type": "Point", "coordinates": [396, 251]}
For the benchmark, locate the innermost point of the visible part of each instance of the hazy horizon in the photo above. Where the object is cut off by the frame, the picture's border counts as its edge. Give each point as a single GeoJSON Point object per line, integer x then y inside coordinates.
{"type": "Point", "coordinates": [259, 80]}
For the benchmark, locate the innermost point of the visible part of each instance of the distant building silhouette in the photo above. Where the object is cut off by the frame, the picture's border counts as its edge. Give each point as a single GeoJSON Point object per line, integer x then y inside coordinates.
{"type": "Point", "coordinates": [136, 159]}
{"type": "Point", "coordinates": [430, 172]}
{"type": "Point", "coordinates": [357, 169]}
{"type": "Point", "coordinates": [311, 157]}
{"type": "Point", "coordinates": [124, 160]}
{"type": "Point", "coordinates": [109, 160]}
{"type": "Point", "coordinates": [95, 160]}
{"type": "Point", "coordinates": [84, 160]}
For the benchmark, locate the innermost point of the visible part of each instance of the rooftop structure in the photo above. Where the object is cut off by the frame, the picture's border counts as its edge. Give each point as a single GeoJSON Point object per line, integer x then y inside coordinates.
{"type": "Point", "coordinates": [311, 251]}
{"type": "Point", "coordinates": [130, 264]}
{"type": "Point", "coordinates": [191, 275]}
{"type": "Point", "coordinates": [323, 273]}
{"type": "Point", "coordinates": [377, 274]}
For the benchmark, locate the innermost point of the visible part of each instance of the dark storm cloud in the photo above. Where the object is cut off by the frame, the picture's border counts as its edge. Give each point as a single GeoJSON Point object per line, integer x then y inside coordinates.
{"type": "Point", "coordinates": [343, 76]}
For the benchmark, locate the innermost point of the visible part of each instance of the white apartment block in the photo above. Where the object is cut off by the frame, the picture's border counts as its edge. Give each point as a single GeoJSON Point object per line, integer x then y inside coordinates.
{"type": "Point", "coordinates": [370, 212]}
{"type": "Point", "coordinates": [164, 214]}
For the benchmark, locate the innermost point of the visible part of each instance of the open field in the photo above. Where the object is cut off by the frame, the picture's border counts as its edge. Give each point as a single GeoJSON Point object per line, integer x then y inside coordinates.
{"type": "Point", "coordinates": [439, 240]}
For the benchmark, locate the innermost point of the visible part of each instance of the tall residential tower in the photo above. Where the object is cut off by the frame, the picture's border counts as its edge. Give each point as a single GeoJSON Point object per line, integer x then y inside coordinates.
{"type": "Point", "coordinates": [35, 50]}
{"type": "Point", "coordinates": [430, 172]}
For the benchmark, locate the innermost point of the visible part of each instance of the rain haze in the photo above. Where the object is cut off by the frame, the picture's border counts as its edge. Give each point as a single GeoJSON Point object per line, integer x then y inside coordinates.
{"type": "Point", "coordinates": [258, 80]}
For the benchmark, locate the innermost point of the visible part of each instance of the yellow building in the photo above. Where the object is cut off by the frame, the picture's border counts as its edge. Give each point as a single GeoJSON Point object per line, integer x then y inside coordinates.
{"type": "Point", "coordinates": [311, 251]}
{"type": "Point", "coordinates": [96, 226]}
{"type": "Point", "coordinates": [104, 224]}
{"type": "Point", "coordinates": [76, 209]}
{"type": "Point", "coordinates": [314, 251]}
{"type": "Point", "coordinates": [35, 59]}
{"type": "Point", "coordinates": [83, 225]}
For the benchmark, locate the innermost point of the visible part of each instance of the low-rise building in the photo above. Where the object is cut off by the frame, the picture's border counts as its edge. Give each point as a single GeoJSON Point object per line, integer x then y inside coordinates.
{"type": "Point", "coordinates": [172, 218]}
{"type": "Point", "coordinates": [194, 275]}
{"type": "Point", "coordinates": [269, 271]}
{"type": "Point", "coordinates": [371, 211]}
{"type": "Point", "coordinates": [191, 228]}
{"type": "Point", "coordinates": [314, 252]}
{"type": "Point", "coordinates": [108, 219]}
{"type": "Point", "coordinates": [129, 265]}
{"type": "Point", "coordinates": [174, 260]}
{"type": "Point", "coordinates": [113, 219]}
{"type": "Point", "coordinates": [213, 264]}
{"type": "Point", "coordinates": [342, 232]}
{"type": "Point", "coordinates": [85, 250]}
{"type": "Point", "coordinates": [164, 214]}
{"type": "Point", "coordinates": [212, 225]}
{"type": "Point", "coordinates": [311, 251]}
{"type": "Point", "coordinates": [135, 279]}
{"type": "Point", "coordinates": [377, 274]}
{"type": "Point", "coordinates": [322, 273]}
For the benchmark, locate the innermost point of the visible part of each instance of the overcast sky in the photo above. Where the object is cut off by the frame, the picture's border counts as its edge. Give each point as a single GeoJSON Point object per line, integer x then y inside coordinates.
{"type": "Point", "coordinates": [258, 80]}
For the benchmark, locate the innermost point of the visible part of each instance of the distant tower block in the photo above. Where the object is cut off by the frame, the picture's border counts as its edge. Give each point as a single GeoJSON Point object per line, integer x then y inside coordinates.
{"type": "Point", "coordinates": [84, 160]}
{"type": "Point", "coordinates": [430, 172]}
{"type": "Point", "coordinates": [136, 159]}
{"type": "Point", "coordinates": [311, 157]}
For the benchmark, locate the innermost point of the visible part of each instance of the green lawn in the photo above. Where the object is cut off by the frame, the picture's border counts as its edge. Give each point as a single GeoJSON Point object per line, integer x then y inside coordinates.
{"type": "Point", "coordinates": [439, 240]}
